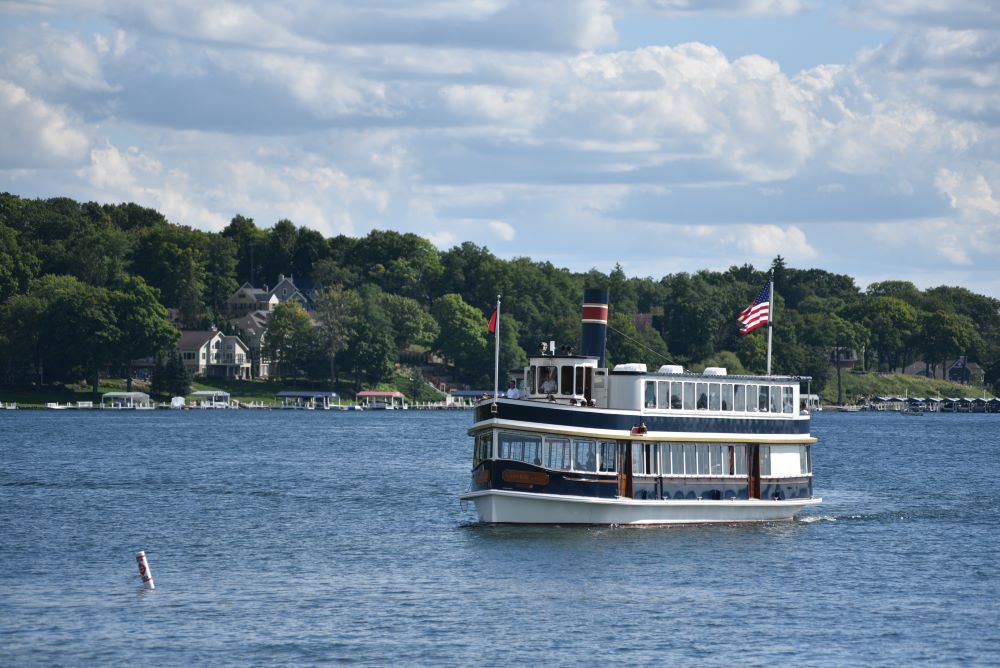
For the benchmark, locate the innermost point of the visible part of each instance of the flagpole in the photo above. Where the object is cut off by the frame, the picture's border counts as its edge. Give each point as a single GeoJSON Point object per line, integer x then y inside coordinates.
{"type": "Point", "coordinates": [496, 363]}
{"type": "Point", "coordinates": [770, 312]}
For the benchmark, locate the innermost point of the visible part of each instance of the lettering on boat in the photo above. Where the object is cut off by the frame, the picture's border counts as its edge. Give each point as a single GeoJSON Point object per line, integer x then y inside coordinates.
{"type": "Point", "coordinates": [525, 477]}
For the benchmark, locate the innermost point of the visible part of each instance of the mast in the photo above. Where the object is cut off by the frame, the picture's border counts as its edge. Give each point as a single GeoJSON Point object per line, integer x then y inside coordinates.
{"type": "Point", "coordinates": [496, 361]}
{"type": "Point", "coordinates": [770, 319]}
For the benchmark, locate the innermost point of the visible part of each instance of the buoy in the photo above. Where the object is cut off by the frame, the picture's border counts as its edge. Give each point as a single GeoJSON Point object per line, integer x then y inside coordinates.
{"type": "Point", "coordinates": [144, 572]}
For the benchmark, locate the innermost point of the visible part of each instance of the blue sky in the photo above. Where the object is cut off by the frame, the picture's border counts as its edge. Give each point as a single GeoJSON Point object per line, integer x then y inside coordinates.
{"type": "Point", "coordinates": [662, 135]}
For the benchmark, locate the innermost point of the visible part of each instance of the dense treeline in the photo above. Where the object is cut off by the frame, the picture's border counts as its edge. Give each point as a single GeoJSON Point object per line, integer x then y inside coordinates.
{"type": "Point", "coordinates": [85, 287]}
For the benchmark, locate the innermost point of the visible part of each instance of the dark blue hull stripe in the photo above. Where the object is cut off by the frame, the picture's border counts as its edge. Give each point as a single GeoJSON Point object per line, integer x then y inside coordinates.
{"type": "Point", "coordinates": [591, 418]}
{"type": "Point", "coordinates": [644, 487]}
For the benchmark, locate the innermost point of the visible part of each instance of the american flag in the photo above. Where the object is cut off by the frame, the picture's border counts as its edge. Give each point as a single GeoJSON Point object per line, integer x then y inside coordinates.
{"type": "Point", "coordinates": [758, 312]}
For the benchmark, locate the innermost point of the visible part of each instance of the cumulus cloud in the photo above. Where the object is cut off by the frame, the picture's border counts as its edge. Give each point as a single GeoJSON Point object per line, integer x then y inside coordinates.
{"type": "Point", "coordinates": [490, 119]}
{"type": "Point", "coordinates": [36, 134]}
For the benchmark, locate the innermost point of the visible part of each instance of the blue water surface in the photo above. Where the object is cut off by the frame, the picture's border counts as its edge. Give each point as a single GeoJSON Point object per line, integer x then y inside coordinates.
{"type": "Point", "coordinates": [312, 537]}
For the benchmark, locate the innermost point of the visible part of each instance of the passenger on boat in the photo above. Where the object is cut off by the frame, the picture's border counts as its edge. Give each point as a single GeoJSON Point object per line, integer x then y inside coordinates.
{"type": "Point", "coordinates": [512, 391]}
{"type": "Point", "coordinates": [549, 385]}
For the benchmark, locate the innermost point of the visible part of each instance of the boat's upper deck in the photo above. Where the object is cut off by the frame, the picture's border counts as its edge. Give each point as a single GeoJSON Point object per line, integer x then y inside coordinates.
{"type": "Point", "coordinates": [577, 380]}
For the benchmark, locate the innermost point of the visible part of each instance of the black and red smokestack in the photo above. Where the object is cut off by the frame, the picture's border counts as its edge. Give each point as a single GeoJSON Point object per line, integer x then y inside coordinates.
{"type": "Point", "coordinates": [594, 328]}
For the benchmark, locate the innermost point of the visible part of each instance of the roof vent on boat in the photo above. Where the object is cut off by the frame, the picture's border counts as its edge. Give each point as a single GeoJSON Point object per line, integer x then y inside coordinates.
{"type": "Point", "coordinates": [671, 368]}
{"type": "Point", "coordinates": [631, 366]}
{"type": "Point", "coordinates": [715, 371]}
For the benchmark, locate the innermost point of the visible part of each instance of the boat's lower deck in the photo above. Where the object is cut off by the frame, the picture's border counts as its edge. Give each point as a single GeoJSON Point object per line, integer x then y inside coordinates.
{"type": "Point", "coordinates": [552, 478]}
{"type": "Point", "coordinates": [512, 507]}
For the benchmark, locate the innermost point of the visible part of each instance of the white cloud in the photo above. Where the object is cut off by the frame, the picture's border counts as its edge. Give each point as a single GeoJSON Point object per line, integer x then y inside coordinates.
{"type": "Point", "coordinates": [767, 241]}
{"type": "Point", "coordinates": [36, 134]}
{"type": "Point", "coordinates": [973, 194]}
{"type": "Point", "coordinates": [503, 231]}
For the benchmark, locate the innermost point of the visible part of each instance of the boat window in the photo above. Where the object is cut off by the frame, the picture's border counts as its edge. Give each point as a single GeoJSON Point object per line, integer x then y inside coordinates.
{"type": "Point", "coordinates": [765, 460]}
{"type": "Point", "coordinates": [567, 380]}
{"type": "Point", "coordinates": [762, 394]}
{"type": "Point", "coordinates": [702, 403]}
{"type": "Point", "coordinates": [805, 460]}
{"type": "Point", "coordinates": [752, 398]}
{"type": "Point", "coordinates": [740, 398]}
{"type": "Point", "coordinates": [690, 459]}
{"type": "Point", "coordinates": [676, 390]}
{"type": "Point", "coordinates": [607, 457]}
{"type": "Point", "coordinates": [483, 446]}
{"type": "Point", "coordinates": [727, 397]}
{"type": "Point", "coordinates": [689, 396]}
{"type": "Point", "coordinates": [557, 453]}
{"type": "Point", "coordinates": [579, 379]}
{"type": "Point", "coordinates": [585, 458]}
{"type": "Point", "coordinates": [787, 402]}
{"type": "Point", "coordinates": [702, 459]}
{"type": "Point", "coordinates": [740, 459]}
{"type": "Point", "coordinates": [677, 458]}
{"type": "Point", "coordinates": [713, 396]}
{"type": "Point", "coordinates": [650, 400]}
{"type": "Point", "coordinates": [664, 458]}
{"type": "Point", "coordinates": [663, 394]}
{"type": "Point", "coordinates": [529, 382]}
{"type": "Point", "coordinates": [715, 459]}
{"type": "Point", "coordinates": [775, 398]}
{"type": "Point", "coordinates": [638, 461]}
{"type": "Point", "coordinates": [547, 383]}
{"type": "Point", "coordinates": [649, 453]}
{"type": "Point", "coordinates": [520, 447]}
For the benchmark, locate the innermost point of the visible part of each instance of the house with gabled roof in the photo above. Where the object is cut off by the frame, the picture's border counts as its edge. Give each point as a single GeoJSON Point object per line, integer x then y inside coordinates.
{"type": "Point", "coordinates": [248, 299]}
{"type": "Point", "coordinates": [214, 354]}
{"type": "Point", "coordinates": [252, 330]}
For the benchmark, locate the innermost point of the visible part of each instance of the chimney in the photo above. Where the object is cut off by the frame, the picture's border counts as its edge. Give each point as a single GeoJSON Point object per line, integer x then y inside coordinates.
{"type": "Point", "coordinates": [594, 323]}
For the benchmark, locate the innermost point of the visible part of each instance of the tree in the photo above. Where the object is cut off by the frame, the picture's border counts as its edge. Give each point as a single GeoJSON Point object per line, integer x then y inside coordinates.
{"type": "Point", "coordinates": [371, 353]}
{"type": "Point", "coordinates": [289, 330]}
{"type": "Point", "coordinates": [462, 338]}
{"type": "Point", "coordinates": [337, 313]}
{"type": "Point", "coordinates": [945, 335]}
{"type": "Point", "coordinates": [77, 328]}
{"type": "Point", "coordinates": [16, 266]}
{"type": "Point", "coordinates": [142, 324]}
{"type": "Point", "coordinates": [893, 325]}
{"type": "Point", "coordinates": [411, 323]}
{"type": "Point", "coordinates": [170, 376]}
{"type": "Point", "coordinates": [250, 243]}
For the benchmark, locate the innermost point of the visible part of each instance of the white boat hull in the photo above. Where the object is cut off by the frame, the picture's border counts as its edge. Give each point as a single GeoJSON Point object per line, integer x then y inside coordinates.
{"type": "Point", "coordinates": [510, 507]}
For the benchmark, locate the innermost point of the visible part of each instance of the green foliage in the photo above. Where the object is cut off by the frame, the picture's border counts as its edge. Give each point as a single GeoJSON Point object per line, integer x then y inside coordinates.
{"type": "Point", "coordinates": [289, 334]}
{"type": "Point", "coordinates": [171, 377]}
{"type": "Point", "coordinates": [108, 271]}
{"type": "Point", "coordinates": [462, 337]}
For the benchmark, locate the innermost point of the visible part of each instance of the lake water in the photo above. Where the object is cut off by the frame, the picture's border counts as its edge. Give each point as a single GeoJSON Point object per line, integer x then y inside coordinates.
{"type": "Point", "coordinates": [309, 537]}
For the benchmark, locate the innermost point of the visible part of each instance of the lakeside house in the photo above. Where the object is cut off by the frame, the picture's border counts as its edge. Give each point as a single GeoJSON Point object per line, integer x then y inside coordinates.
{"type": "Point", "coordinates": [248, 299]}
{"type": "Point", "coordinates": [214, 354]}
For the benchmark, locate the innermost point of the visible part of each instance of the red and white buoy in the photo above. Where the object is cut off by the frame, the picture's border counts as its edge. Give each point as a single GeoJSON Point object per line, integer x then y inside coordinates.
{"type": "Point", "coordinates": [144, 572]}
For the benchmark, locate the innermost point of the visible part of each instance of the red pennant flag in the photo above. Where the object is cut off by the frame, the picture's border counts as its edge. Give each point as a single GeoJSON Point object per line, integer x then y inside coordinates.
{"type": "Point", "coordinates": [493, 323]}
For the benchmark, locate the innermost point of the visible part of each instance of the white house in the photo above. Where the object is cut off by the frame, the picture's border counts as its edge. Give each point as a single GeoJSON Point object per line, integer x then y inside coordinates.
{"type": "Point", "coordinates": [212, 353]}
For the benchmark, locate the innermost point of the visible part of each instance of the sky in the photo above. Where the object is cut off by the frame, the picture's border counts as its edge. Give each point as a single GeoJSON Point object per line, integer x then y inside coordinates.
{"type": "Point", "coordinates": [661, 135]}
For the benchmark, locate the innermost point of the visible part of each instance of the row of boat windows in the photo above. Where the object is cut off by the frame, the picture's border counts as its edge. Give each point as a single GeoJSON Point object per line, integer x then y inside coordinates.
{"type": "Point", "coordinates": [567, 380]}
{"type": "Point", "coordinates": [712, 459]}
{"type": "Point", "coordinates": [551, 452]}
{"type": "Point", "coordinates": [594, 456]}
{"type": "Point", "coordinates": [740, 397]}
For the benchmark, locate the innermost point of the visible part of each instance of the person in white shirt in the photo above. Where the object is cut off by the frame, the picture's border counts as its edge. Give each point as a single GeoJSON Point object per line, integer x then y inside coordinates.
{"type": "Point", "coordinates": [512, 391]}
{"type": "Point", "coordinates": [549, 385]}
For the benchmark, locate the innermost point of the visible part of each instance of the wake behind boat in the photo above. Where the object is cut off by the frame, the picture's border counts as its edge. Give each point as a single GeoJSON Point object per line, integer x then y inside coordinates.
{"type": "Point", "coordinates": [589, 445]}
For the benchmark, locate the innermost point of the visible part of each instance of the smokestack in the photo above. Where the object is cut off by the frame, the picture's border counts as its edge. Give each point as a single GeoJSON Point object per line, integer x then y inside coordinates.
{"type": "Point", "coordinates": [594, 327]}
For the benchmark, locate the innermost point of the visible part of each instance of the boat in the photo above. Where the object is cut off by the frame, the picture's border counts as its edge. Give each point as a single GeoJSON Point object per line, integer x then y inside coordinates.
{"type": "Point", "coordinates": [588, 445]}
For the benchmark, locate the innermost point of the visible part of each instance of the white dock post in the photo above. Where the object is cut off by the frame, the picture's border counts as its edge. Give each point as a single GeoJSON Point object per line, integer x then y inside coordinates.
{"type": "Point", "coordinates": [144, 572]}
